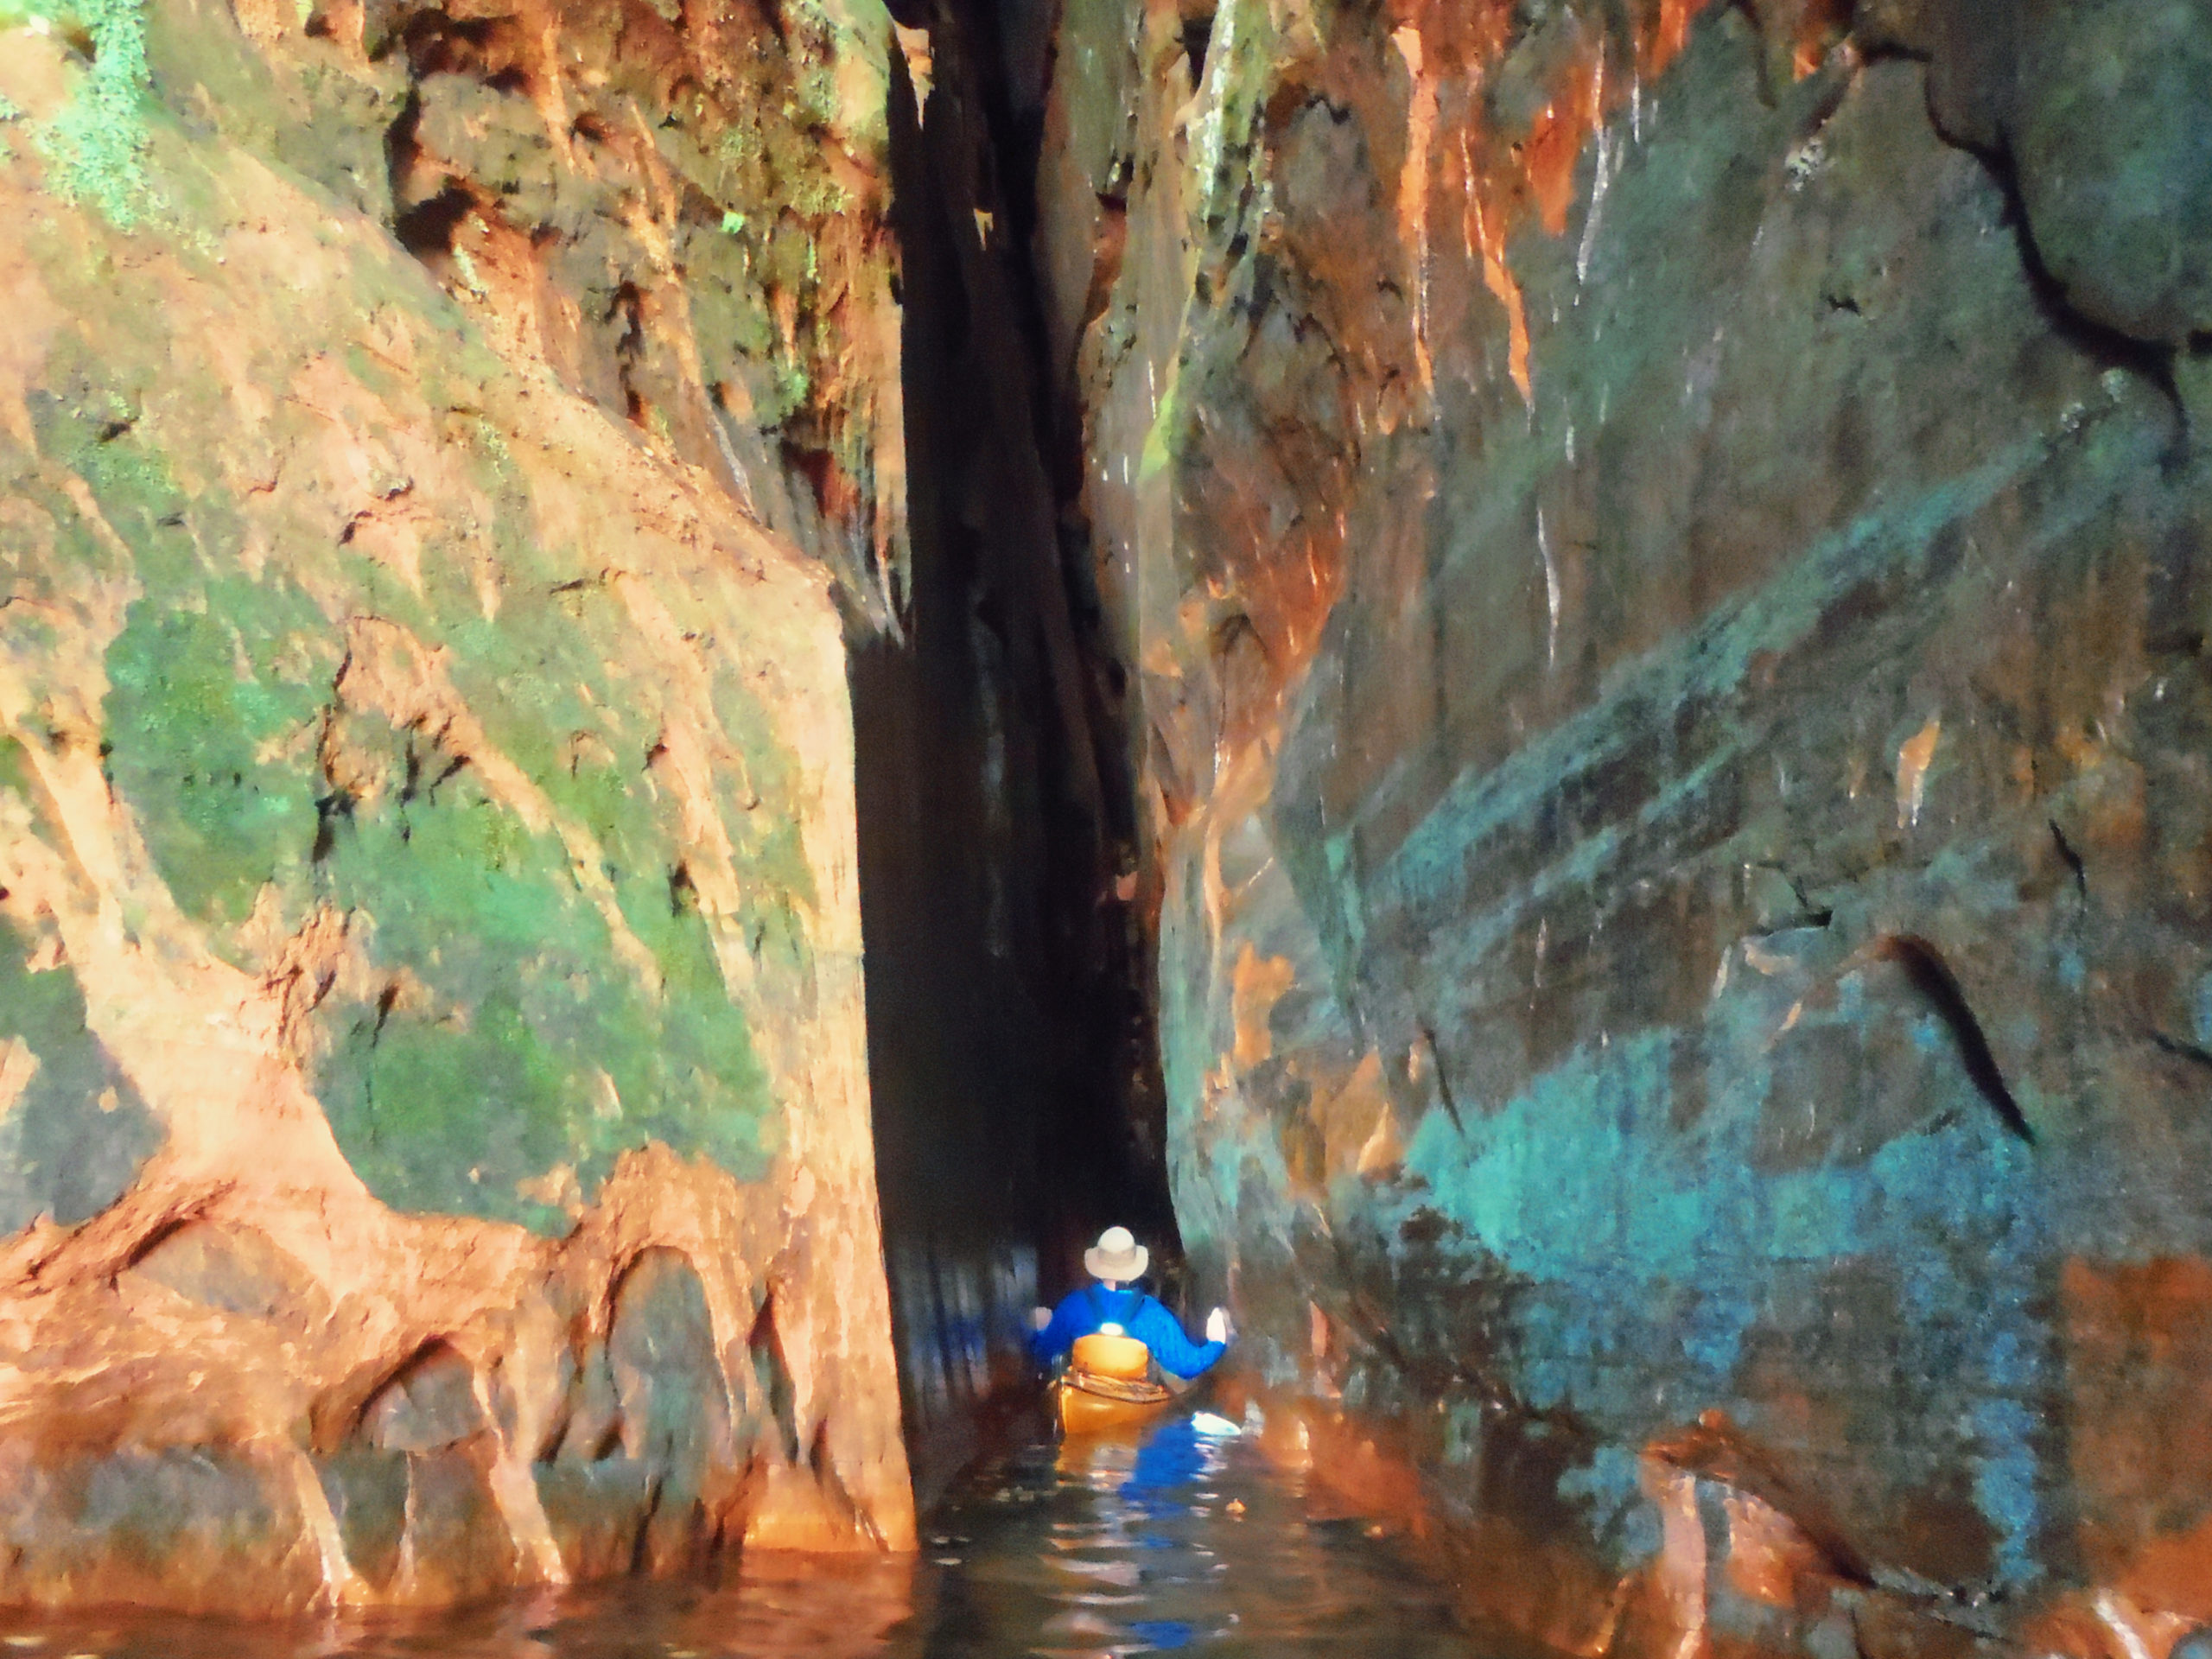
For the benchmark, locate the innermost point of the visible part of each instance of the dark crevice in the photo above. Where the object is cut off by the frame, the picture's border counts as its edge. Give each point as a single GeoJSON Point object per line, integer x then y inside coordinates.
{"type": "Point", "coordinates": [433, 1355]}
{"type": "Point", "coordinates": [608, 1443]}
{"type": "Point", "coordinates": [387, 998]}
{"type": "Point", "coordinates": [447, 773]}
{"type": "Point", "coordinates": [1435, 1059]}
{"type": "Point", "coordinates": [1018, 1107]}
{"type": "Point", "coordinates": [1807, 913]}
{"type": "Point", "coordinates": [426, 230]}
{"type": "Point", "coordinates": [641, 1558]}
{"type": "Point", "coordinates": [683, 895]}
{"type": "Point", "coordinates": [330, 811]}
{"type": "Point", "coordinates": [2181, 1049]}
{"type": "Point", "coordinates": [1198, 36]}
{"type": "Point", "coordinates": [773, 1375]}
{"type": "Point", "coordinates": [161, 1235]}
{"type": "Point", "coordinates": [2106, 346]}
{"type": "Point", "coordinates": [1932, 977]}
{"type": "Point", "coordinates": [495, 50]}
{"type": "Point", "coordinates": [2073, 859]}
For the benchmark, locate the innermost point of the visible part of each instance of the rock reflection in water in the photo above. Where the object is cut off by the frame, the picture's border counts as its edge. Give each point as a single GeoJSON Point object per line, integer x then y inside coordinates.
{"type": "Point", "coordinates": [1179, 1542]}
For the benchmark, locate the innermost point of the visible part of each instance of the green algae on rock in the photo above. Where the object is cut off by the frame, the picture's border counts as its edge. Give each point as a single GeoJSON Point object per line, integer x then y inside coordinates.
{"type": "Point", "coordinates": [95, 144]}
{"type": "Point", "coordinates": [431, 1026]}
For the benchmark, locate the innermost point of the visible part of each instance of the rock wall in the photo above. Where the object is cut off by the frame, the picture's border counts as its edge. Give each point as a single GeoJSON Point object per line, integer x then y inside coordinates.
{"type": "Point", "coordinates": [439, 451]}
{"type": "Point", "coordinates": [1662, 553]}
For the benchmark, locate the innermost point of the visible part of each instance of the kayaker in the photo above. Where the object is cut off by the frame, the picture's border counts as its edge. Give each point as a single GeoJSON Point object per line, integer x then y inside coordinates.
{"type": "Point", "coordinates": [1117, 1305]}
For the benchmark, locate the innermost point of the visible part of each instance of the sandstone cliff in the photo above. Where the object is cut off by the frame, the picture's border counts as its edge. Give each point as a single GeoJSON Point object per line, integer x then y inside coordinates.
{"type": "Point", "coordinates": [1660, 551]}
{"type": "Point", "coordinates": [437, 449]}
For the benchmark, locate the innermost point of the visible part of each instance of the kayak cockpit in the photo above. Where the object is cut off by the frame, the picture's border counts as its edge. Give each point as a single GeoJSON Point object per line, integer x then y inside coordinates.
{"type": "Point", "coordinates": [1108, 1383]}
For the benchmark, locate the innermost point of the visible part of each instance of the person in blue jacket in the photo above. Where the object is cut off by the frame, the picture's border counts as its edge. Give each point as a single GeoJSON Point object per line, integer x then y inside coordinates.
{"type": "Point", "coordinates": [1117, 1305]}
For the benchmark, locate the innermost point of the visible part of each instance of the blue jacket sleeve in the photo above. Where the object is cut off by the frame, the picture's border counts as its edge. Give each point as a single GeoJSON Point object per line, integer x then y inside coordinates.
{"type": "Point", "coordinates": [1070, 1320]}
{"type": "Point", "coordinates": [1162, 1332]}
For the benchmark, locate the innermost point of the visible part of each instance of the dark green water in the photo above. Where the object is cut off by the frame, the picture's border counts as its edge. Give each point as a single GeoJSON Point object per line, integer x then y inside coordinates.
{"type": "Point", "coordinates": [1183, 1542]}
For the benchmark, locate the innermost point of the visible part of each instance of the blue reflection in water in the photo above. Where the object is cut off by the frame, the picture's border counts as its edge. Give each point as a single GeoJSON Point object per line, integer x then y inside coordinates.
{"type": "Point", "coordinates": [1180, 1539]}
{"type": "Point", "coordinates": [1173, 1456]}
{"type": "Point", "coordinates": [1161, 1633]}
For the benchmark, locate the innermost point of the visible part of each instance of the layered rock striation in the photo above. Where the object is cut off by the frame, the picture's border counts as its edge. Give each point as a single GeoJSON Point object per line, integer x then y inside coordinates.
{"type": "Point", "coordinates": [1660, 551]}
{"type": "Point", "coordinates": [440, 451]}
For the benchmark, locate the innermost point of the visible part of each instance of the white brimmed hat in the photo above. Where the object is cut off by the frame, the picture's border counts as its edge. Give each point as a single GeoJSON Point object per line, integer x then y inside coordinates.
{"type": "Point", "coordinates": [1116, 1255]}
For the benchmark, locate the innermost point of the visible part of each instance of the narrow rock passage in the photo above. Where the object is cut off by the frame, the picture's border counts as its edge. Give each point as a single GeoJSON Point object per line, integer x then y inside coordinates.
{"type": "Point", "coordinates": [1183, 1541]}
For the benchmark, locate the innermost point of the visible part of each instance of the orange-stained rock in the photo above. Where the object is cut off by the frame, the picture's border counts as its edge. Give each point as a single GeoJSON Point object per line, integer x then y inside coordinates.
{"type": "Point", "coordinates": [434, 1142]}
{"type": "Point", "coordinates": [2139, 1343]}
{"type": "Point", "coordinates": [1740, 1566]}
{"type": "Point", "coordinates": [1666, 642]}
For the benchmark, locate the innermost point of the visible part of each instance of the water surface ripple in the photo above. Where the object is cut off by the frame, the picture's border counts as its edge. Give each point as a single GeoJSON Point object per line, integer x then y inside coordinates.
{"type": "Point", "coordinates": [1181, 1542]}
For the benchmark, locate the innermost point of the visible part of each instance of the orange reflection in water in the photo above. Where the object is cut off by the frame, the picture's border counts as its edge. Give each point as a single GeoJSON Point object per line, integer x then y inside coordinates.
{"type": "Point", "coordinates": [1183, 1538]}
{"type": "Point", "coordinates": [767, 1605]}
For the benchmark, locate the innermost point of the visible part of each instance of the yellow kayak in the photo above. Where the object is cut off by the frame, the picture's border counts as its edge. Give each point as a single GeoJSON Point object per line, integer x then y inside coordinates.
{"type": "Point", "coordinates": [1108, 1385]}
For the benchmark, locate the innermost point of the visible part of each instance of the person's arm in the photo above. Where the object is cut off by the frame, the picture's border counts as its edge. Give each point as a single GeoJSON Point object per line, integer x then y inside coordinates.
{"type": "Point", "coordinates": [1060, 1333]}
{"type": "Point", "coordinates": [1162, 1332]}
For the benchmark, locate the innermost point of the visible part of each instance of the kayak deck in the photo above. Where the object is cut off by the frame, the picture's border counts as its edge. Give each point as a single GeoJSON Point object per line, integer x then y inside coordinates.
{"type": "Point", "coordinates": [1109, 1384]}
{"type": "Point", "coordinates": [1083, 1410]}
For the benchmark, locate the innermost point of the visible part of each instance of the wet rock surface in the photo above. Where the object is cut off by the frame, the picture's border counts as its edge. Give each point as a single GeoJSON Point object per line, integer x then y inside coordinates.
{"type": "Point", "coordinates": [1658, 550]}
{"type": "Point", "coordinates": [440, 449]}
{"type": "Point", "coordinates": [1648, 559]}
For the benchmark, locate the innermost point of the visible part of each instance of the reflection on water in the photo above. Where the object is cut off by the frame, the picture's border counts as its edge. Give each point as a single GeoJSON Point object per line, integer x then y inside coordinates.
{"type": "Point", "coordinates": [1183, 1542]}
{"type": "Point", "coordinates": [1186, 1542]}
